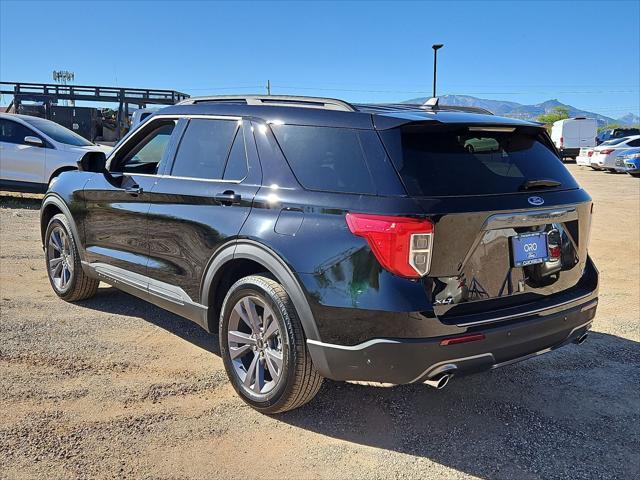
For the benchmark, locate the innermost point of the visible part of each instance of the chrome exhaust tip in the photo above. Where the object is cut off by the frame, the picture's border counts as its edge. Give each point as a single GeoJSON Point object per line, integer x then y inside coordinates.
{"type": "Point", "coordinates": [582, 338]}
{"type": "Point", "coordinates": [439, 381]}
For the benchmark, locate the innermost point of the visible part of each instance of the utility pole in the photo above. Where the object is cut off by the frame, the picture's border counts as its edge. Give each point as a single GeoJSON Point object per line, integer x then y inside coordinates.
{"type": "Point", "coordinates": [268, 87]}
{"type": "Point", "coordinates": [435, 47]}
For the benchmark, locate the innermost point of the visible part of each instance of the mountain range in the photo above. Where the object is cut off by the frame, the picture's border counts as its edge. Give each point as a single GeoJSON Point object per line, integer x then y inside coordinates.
{"type": "Point", "coordinates": [526, 112]}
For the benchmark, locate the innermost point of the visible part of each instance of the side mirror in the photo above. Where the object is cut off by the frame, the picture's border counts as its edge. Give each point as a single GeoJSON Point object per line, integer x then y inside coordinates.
{"type": "Point", "coordinates": [93, 162]}
{"type": "Point", "coordinates": [33, 141]}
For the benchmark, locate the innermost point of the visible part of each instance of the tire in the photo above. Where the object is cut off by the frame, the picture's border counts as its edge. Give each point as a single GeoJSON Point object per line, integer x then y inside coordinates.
{"type": "Point", "coordinates": [62, 257]}
{"type": "Point", "coordinates": [636, 175]}
{"type": "Point", "coordinates": [296, 381]}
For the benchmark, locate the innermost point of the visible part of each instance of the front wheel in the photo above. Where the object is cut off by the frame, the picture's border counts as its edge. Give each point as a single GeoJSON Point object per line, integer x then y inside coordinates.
{"type": "Point", "coordinates": [63, 262]}
{"type": "Point", "coordinates": [263, 347]}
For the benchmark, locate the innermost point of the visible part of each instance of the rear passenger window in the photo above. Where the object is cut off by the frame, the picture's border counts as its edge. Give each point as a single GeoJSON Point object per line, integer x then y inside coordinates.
{"type": "Point", "coordinates": [634, 143]}
{"type": "Point", "coordinates": [204, 149]}
{"type": "Point", "coordinates": [236, 168]}
{"type": "Point", "coordinates": [325, 158]}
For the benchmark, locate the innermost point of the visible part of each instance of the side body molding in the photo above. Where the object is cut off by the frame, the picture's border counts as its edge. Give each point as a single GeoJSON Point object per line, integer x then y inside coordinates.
{"type": "Point", "coordinates": [251, 250]}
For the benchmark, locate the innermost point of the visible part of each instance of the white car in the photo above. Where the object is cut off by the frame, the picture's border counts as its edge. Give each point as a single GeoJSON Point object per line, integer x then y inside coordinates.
{"type": "Point", "coordinates": [604, 155]}
{"type": "Point", "coordinates": [34, 151]}
{"type": "Point", "coordinates": [584, 157]}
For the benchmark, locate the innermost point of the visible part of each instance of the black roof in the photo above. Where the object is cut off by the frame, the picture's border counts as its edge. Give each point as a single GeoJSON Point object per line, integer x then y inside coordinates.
{"type": "Point", "coordinates": [336, 113]}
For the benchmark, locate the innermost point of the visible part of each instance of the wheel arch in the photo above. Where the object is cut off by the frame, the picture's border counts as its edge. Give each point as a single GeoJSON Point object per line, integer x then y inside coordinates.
{"type": "Point", "coordinates": [52, 205]}
{"type": "Point", "coordinates": [66, 168]}
{"type": "Point", "coordinates": [247, 257]}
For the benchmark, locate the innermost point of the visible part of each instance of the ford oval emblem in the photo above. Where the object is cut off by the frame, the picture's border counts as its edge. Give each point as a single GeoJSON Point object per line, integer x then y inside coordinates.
{"type": "Point", "coordinates": [536, 200]}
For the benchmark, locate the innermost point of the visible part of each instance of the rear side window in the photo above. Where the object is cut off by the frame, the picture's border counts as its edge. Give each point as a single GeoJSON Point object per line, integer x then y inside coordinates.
{"type": "Point", "coordinates": [326, 158]}
{"type": "Point", "coordinates": [236, 168]}
{"type": "Point", "coordinates": [204, 149]}
{"type": "Point", "coordinates": [460, 161]}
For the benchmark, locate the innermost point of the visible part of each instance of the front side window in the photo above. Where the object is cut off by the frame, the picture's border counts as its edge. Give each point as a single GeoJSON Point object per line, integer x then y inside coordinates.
{"type": "Point", "coordinates": [146, 155]}
{"type": "Point", "coordinates": [14, 132]}
{"type": "Point", "coordinates": [204, 149]}
{"type": "Point", "coordinates": [58, 132]}
{"type": "Point", "coordinates": [326, 158]}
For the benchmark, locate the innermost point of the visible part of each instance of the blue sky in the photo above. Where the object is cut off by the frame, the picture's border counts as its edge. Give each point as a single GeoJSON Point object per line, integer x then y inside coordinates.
{"type": "Point", "coordinates": [586, 54]}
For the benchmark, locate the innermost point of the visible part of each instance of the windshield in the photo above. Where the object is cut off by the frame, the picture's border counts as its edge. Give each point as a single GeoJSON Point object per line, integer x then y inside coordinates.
{"type": "Point", "coordinates": [57, 132]}
{"type": "Point", "coordinates": [448, 161]}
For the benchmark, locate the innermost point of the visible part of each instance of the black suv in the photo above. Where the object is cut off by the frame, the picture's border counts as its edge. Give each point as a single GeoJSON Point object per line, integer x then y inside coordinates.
{"type": "Point", "coordinates": [379, 243]}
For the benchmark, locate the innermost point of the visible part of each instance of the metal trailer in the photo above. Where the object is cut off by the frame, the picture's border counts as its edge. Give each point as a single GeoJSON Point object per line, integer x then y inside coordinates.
{"type": "Point", "coordinates": [49, 94]}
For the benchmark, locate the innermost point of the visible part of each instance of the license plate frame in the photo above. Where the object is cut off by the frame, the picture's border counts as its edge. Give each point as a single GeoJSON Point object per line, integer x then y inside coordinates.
{"type": "Point", "coordinates": [529, 249]}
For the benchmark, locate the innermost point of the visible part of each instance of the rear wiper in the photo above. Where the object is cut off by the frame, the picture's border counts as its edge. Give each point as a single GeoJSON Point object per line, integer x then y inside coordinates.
{"type": "Point", "coordinates": [541, 183]}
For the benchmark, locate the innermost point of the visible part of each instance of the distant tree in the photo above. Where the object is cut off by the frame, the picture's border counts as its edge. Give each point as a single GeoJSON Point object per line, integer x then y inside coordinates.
{"type": "Point", "coordinates": [558, 113]}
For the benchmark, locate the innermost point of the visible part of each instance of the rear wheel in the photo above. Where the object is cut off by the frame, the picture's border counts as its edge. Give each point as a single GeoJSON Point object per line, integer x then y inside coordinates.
{"type": "Point", "coordinates": [63, 262]}
{"type": "Point", "coordinates": [263, 347]}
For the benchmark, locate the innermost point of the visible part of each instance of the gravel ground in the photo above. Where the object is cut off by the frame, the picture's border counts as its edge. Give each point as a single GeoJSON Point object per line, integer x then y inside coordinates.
{"type": "Point", "coordinates": [115, 387]}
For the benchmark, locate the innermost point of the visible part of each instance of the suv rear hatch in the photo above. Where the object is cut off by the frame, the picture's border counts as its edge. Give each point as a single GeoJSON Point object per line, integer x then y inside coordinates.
{"type": "Point", "coordinates": [511, 223]}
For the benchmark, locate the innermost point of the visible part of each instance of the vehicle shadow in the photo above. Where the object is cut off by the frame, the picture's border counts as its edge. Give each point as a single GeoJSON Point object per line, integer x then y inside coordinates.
{"type": "Point", "coordinates": [112, 300]}
{"type": "Point", "coordinates": [571, 413]}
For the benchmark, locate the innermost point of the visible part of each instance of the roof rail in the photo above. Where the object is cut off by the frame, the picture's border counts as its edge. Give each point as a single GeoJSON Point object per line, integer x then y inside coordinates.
{"type": "Point", "coordinates": [395, 107]}
{"type": "Point", "coordinates": [276, 101]}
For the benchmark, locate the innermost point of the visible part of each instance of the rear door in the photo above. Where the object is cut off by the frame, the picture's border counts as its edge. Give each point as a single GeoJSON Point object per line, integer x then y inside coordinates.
{"type": "Point", "coordinates": [201, 201]}
{"type": "Point", "coordinates": [511, 223]}
{"type": "Point", "coordinates": [20, 162]}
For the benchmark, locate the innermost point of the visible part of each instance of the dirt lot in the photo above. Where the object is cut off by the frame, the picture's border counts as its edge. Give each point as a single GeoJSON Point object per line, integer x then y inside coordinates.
{"type": "Point", "coordinates": [114, 387]}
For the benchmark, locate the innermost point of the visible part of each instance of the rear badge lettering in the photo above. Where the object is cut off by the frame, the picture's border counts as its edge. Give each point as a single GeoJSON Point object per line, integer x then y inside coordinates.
{"type": "Point", "coordinates": [536, 200]}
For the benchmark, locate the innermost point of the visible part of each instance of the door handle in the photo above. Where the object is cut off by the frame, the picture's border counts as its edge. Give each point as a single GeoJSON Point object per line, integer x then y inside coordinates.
{"type": "Point", "coordinates": [134, 190]}
{"type": "Point", "coordinates": [228, 197]}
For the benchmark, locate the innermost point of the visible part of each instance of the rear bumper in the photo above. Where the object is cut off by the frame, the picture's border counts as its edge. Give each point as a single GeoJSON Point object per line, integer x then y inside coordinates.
{"type": "Point", "coordinates": [400, 361]}
{"type": "Point", "coordinates": [569, 152]}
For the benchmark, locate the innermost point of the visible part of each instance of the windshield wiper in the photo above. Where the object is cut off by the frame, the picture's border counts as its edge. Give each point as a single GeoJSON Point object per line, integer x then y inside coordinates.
{"type": "Point", "coordinates": [541, 183]}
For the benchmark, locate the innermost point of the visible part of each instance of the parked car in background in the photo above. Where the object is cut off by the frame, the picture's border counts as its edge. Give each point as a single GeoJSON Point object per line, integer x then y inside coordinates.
{"type": "Point", "coordinates": [630, 161]}
{"type": "Point", "coordinates": [572, 134]}
{"type": "Point", "coordinates": [584, 157]}
{"type": "Point", "coordinates": [34, 151]}
{"type": "Point", "coordinates": [614, 133]}
{"type": "Point", "coordinates": [383, 243]}
{"type": "Point", "coordinates": [604, 155]}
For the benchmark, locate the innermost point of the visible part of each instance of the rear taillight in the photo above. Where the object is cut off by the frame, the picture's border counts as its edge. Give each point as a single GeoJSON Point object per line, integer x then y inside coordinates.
{"type": "Point", "coordinates": [402, 245]}
{"type": "Point", "coordinates": [589, 153]}
{"type": "Point", "coordinates": [606, 151]}
{"type": "Point", "coordinates": [561, 141]}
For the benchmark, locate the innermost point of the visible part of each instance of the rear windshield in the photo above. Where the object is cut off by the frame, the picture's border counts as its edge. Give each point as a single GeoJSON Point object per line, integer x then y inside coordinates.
{"type": "Point", "coordinates": [444, 161]}
{"type": "Point", "coordinates": [615, 142]}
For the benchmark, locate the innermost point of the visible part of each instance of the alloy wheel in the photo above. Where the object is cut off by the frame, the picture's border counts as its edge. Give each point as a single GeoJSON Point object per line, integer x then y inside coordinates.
{"type": "Point", "coordinates": [59, 258]}
{"type": "Point", "coordinates": [255, 345]}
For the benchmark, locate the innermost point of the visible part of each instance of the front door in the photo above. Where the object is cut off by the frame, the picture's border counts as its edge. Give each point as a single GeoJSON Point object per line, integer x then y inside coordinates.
{"type": "Point", "coordinates": [117, 204]}
{"type": "Point", "coordinates": [203, 200]}
{"type": "Point", "coordinates": [20, 162]}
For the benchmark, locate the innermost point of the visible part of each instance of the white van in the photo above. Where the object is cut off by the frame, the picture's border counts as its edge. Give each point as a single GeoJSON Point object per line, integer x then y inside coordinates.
{"type": "Point", "coordinates": [572, 134]}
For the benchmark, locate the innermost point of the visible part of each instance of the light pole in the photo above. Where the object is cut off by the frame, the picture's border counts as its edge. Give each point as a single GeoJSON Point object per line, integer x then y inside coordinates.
{"type": "Point", "coordinates": [435, 47]}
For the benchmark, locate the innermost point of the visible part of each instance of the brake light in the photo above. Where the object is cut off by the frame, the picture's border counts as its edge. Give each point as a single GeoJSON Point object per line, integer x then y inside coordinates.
{"type": "Point", "coordinates": [606, 151]}
{"type": "Point", "coordinates": [554, 251]}
{"type": "Point", "coordinates": [589, 153]}
{"type": "Point", "coordinates": [402, 245]}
